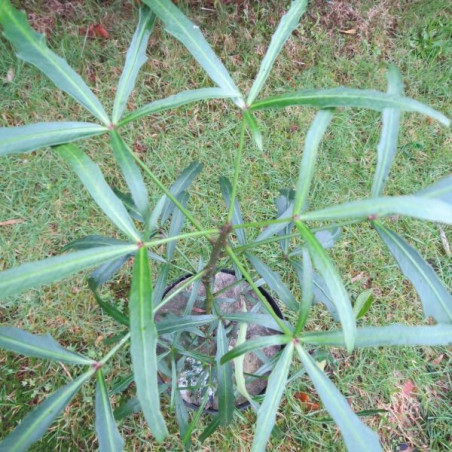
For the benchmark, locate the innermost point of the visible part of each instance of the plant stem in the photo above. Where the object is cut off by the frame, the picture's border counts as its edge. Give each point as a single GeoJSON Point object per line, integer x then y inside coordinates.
{"type": "Point", "coordinates": [188, 235]}
{"type": "Point", "coordinates": [217, 252]}
{"type": "Point", "coordinates": [237, 162]}
{"type": "Point", "coordinates": [263, 223]}
{"type": "Point", "coordinates": [115, 349]}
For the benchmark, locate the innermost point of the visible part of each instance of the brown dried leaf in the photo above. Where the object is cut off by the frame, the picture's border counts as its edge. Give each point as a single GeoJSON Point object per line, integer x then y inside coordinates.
{"type": "Point", "coordinates": [11, 222]}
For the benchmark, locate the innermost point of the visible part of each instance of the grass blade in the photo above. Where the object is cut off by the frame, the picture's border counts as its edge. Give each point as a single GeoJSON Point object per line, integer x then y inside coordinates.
{"type": "Point", "coordinates": [237, 218]}
{"type": "Point", "coordinates": [348, 97]}
{"type": "Point", "coordinates": [333, 282]}
{"type": "Point", "coordinates": [387, 147]}
{"type": "Point", "coordinates": [356, 434]}
{"type": "Point", "coordinates": [25, 343]}
{"type": "Point", "coordinates": [107, 431]}
{"type": "Point", "coordinates": [285, 28]}
{"type": "Point", "coordinates": [225, 391]}
{"type": "Point", "coordinates": [132, 175]}
{"type": "Point", "coordinates": [185, 31]}
{"type": "Point", "coordinates": [32, 48]}
{"type": "Point", "coordinates": [250, 120]}
{"type": "Point", "coordinates": [34, 274]}
{"type": "Point", "coordinates": [274, 281]}
{"type": "Point", "coordinates": [435, 298]}
{"type": "Point", "coordinates": [93, 180]}
{"type": "Point", "coordinates": [35, 423]}
{"type": "Point", "coordinates": [307, 165]}
{"type": "Point", "coordinates": [135, 58]}
{"type": "Point", "coordinates": [17, 140]}
{"type": "Point", "coordinates": [266, 415]}
{"type": "Point", "coordinates": [373, 336]}
{"type": "Point", "coordinates": [144, 345]}
{"type": "Point", "coordinates": [183, 98]}
{"type": "Point", "coordinates": [415, 206]}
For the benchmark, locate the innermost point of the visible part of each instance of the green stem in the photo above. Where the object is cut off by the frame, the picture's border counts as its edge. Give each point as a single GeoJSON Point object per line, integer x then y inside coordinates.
{"type": "Point", "coordinates": [237, 162]}
{"type": "Point", "coordinates": [261, 297]}
{"type": "Point", "coordinates": [114, 349]}
{"type": "Point", "coordinates": [263, 223]}
{"type": "Point", "coordinates": [187, 235]}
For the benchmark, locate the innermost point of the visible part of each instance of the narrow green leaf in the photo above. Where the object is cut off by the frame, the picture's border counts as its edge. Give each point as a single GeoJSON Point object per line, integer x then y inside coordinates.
{"type": "Point", "coordinates": [177, 100]}
{"type": "Point", "coordinates": [363, 303]}
{"type": "Point", "coordinates": [333, 282]}
{"type": "Point", "coordinates": [184, 323]}
{"type": "Point", "coordinates": [177, 223]}
{"type": "Point", "coordinates": [185, 31]}
{"type": "Point", "coordinates": [132, 175]}
{"type": "Point", "coordinates": [253, 344]}
{"type": "Point", "coordinates": [32, 48]}
{"type": "Point", "coordinates": [266, 415]}
{"type": "Point", "coordinates": [254, 319]}
{"type": "Point", "coordinates": [348, 97]}
{"type": "Point", "coordinates": [92, 241]}
{"type": "Point", "coordinates": [387, 147]}
{"type": "Point", "coordinates": [132, 406]}
{"type": "Point", "coordinates": [135, 58]}
{"type": "Point", "coordinates": [17, 140]}
{"type": "Point", "coordinates": [237, 218]}
{"type": "Point", "coordinates": [373, 336]}
{"type": "Point", "coordinates": [435, 298]}
{"type": "Point", "coordinates": [181, 415]}
{"type": "Point", "coordinates": [274, 281]}
{"type": "Point", "coordinates": [439, 190]}
{"type": "Point", "coordinates": [144, 345]}
{"type": "Point", "coordinates": [25, 343]}
{"type": "Point", "coordinates": [225, 391]}
{"type": "Point", "coordinates": [107, 431]}
{"type": "Point", "coordinates": [307, 165]}
{"type": "Point", "coordinates": [276, 227]}
{"type": "Point", "coordinates": [307, 288]}
{"type": "Point", "coordinates": [129, 204]}
{"type": "Point", "coordinates": [254, 129]}
{"type": "Point", "coordinates": [288, 24]}
{"type": "Point", "coordinates": [210, 429]}
{"type": "Point", "coordinates": [93, 180]}
{"type": "Point", "coordinates": [34, 274]}
{"type": "Point", "coordinates": [356, 434]}
{"type": "Point", "coordinates": [412, 205]}
{"type": "Point", "coordinates": [107, 307]}
{"type": "Point", "coordinates": [34, 424]}
{"type": "Point", "coordinates": [106, 271]}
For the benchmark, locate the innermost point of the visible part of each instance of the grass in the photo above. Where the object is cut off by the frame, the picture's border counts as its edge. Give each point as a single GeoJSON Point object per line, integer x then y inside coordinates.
{"type": "Point", "coordinates": [40, 190]}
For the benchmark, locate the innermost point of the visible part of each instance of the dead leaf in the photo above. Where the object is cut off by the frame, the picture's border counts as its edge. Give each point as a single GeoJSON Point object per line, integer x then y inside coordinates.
{"type": "Point", "coordinates": [408, 388]}
{"type": "Point", "coordinates": [352, 31]}
{"type": "Point", "coordinates": [438, 360]}
{"type": "Point", "coordinates": [304, 398]}
{"type": "Point", "coordinates": [10, 75]}
{"type": "Point", "coordinates": [11, 222]}
{"type": "Point", "coordinates": [94, 31]}
{"type": "Point", "coordinates": [444, 241]}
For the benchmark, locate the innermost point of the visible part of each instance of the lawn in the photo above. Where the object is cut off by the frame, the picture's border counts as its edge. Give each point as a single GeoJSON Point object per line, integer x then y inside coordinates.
{"type": "Point", "coordinates": [337, 43]}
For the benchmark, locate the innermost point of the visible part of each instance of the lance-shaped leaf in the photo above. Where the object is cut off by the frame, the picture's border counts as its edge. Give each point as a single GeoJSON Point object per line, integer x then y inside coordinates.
{"type": "Point", "coordinates": [32, 48]}
{"type": "Point", "coordinates": [380, 336]}
{"type": "Point", "coordinates": [92, 241]}
{"type": "Point", "coordinates": [237, 218]}
{"type": "Point", "coordinates": [185, 31]}
{"type": "Point", "coordinates": [435, 298]}
{"type": "Point", "coordinates": [415, 206]}
{"type": "Point", "coordinates": [334, 283]}
{"type": "Point", "coordinates": [144, 345]}
{"type": "Point", "coordinates": [25, 343]}
{"type": "Point", "coordinates": [239, 361]}
{"type": "Point", "coordinates": [135, 58]}
{"type": "Point", "coordinates": [254, 344]}
{"type": "Point", "coordinates": [184, 323]}
{"type": "Point", "coordinates": [184, 180]}
{"type": "Point", "coordinates": [35, 423]}
{"type": "Point", "coordinates": [34, 274]}
{"type": "Point", "coordinates": [93, 180]}
{"type": "Point", "coordinates": [274, 228]}
{"type": "Point", "coordinates": [274, 281]}
{"type": "Point", "coordinates": [439, 190]}
{"type": "Point", "coordinates": [252, 124]}
{"type": "Point", "coordinates": [225, 391]}
{"type": "Point", "coordinates": [106, 271]}
{"type": "Point", "coordinates": [107, 431]}
{"type": "Point", "coordinates": [129, 204]}
{"type": "Point", "coordinates": [307, 165]}
{"type": "Point", "coordinates": [356, 434]}
{"type": "Point", "coordinates": [307, 288]}
{"type": "Point", "coordinates": [183, 98]}
{"type": "Point", "coordinates": [17, 140]}
{"type": "Point", "coordinates": [387, 146]}
{"type": "Point", "coordinates": [177, 223]}
{"type": "Point", "coordinates": [283, 202]}
{"type": "Point", "coordinates": [266, 415]}
{"type": "Point", "coordinates": [132, 174]}
{"type": "Point", "coordinates": [285, 28]}
{"type": "Point", "coordinates": [348, 97]}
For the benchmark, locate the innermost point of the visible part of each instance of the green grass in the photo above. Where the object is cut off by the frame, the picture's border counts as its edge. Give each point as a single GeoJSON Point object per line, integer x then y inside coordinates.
{"type": "Point", "coordinates": [42, 191]}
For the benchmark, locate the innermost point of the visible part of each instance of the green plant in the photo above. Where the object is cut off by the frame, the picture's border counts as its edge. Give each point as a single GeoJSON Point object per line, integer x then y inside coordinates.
{"type": "Point", "coordinates": [148, 228]}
